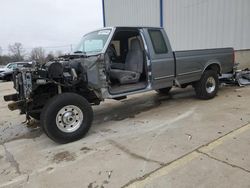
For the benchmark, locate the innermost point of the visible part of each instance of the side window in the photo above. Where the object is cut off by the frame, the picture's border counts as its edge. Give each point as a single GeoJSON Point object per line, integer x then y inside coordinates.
{"type": "Point", "coordinates": [158, 41]}
{"type": "Point", "coordinates": [10, 66]}
{"type": "Point", "coordinates": [20, 65]}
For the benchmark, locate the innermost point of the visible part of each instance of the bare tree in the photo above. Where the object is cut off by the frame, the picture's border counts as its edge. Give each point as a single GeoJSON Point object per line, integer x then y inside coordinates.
{"type": "Point", "coordinates": [38, 54]}
{"type": "Point", "coordinates": [1, 51]}
{"type": "Point", "coordinates": [17, 52]}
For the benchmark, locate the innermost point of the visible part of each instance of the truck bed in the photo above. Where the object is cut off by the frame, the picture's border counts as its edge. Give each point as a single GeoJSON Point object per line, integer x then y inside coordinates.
{"type": "Point", "coordinates": [191, 64]}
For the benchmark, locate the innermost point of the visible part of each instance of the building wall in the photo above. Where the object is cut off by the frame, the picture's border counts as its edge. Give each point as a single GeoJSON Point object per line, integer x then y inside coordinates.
{"type": "Point", "coordinates": [132, 12]}
{"type": "Point", "coordinates": [243, 57]}
{"type": "Point", "coordinates": [195, 24]}
{"type": "Point", "coordinates": [190, 24]}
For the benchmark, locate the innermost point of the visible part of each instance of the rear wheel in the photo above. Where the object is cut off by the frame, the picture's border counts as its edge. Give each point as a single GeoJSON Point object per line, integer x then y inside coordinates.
{"type": "Point", "coordinates": [208, 85]}
{"type": "Point", "coordinates": [164, 91]}
{"type": "Point", "coordinates": [66, 117]}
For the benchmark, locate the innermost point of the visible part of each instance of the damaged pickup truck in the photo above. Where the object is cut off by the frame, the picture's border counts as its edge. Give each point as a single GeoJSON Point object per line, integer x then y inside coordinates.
{"type": "Point", "coordinates": [111, 63]}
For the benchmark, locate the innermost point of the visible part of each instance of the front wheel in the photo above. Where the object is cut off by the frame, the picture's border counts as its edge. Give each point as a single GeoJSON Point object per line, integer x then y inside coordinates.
{"type": "Point", "coordinates": [66, 117]}
{"type": "Point", "coordinates": [207, 87]}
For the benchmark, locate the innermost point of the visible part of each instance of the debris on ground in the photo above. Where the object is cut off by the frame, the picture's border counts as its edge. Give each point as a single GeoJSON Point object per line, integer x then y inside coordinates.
{"type": "Point", "coordinates": [189, 137]}
{"type": "Point", "coordinates": [109, 174]}
{"type": "Point", "coordinates": [238, 77]}
{"type": "Point", "coordinates": [243, 77]}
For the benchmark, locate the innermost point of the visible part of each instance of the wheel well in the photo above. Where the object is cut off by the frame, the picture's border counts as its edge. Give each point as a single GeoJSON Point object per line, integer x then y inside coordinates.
{"type": "Point", "coordinates": [214, 67]}
{"type": "Point", "coordinates": [45, 92]}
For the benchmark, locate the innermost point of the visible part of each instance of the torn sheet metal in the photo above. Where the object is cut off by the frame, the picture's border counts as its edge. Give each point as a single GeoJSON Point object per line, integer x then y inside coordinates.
{"type": "Point", "coordinates": [239, 77]}
{"type": "Point", "coordinates": [228, 79]}
{"type": "Point", "coordinates": [243, 77]}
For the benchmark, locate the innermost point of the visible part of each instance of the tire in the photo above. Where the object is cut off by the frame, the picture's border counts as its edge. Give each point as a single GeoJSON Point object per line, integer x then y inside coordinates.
{"type": "Point", "coordinates": [66, 117]}
{"type": "Point", "coordinates": [164, 91]}
{"type": "Point", "coordinates": [207, 87]}
{"type": "Point", "coordinates": [35, 115]}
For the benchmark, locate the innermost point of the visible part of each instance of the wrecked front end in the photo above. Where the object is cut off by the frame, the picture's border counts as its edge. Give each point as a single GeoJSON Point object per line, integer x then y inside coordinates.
{"type": "Point", "coordinates": [23, 86]}
{"type": "Point", "coordinates": [35, 86]}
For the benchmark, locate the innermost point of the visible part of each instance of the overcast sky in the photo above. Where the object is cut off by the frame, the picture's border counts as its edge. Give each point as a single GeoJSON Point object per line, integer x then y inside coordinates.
{"type": "Point", "coordinates": [47, 23]}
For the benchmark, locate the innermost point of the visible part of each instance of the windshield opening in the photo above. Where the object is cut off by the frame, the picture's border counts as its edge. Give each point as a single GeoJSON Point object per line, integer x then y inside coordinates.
{"type": "Point", "coordinates": [93, 42]}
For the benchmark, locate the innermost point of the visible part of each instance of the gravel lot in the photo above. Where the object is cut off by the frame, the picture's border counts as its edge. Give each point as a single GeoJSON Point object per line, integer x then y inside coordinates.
{"type": "Point", "coordinates": [146, 140]}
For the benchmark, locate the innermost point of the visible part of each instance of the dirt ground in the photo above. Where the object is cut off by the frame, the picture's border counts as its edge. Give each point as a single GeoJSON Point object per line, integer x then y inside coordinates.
{"type": "Point", "coordinates": [146, 140]}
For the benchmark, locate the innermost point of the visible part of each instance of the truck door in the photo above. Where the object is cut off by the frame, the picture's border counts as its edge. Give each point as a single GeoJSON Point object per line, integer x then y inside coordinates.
{"type": "Point", "coordinates": [162, 59]}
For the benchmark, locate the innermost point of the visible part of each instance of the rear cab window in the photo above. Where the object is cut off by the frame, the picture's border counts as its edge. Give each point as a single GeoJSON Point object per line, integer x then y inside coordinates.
{"type": "Point", "coordinates": [158, 41]}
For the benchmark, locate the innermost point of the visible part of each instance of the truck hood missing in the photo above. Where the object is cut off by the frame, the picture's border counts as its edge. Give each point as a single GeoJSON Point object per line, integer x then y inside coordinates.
{"type": "Point", "coordinates": [68, 71]}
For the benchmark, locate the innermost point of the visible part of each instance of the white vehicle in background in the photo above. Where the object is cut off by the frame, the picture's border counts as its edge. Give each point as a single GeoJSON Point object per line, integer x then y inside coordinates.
{"type": "Point", "coordinates": [5, 68]}
{"type": "Point", "coordinates": [7, 71]}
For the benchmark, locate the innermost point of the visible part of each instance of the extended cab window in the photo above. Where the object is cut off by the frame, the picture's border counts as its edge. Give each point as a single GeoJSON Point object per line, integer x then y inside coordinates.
{"type": "Point", "coordinates": [158, 41]}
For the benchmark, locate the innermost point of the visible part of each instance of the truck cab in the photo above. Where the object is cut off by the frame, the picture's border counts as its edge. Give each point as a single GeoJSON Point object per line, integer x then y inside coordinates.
{"type": "Point", "coordinates": [139, 59]}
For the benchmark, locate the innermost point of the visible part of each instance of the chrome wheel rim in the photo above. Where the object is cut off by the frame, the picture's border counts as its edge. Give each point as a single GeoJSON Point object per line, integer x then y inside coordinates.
{"type": "Point", "coordinates": [69, 118]}
{"type": "Point", "coordinates": [210, 85]}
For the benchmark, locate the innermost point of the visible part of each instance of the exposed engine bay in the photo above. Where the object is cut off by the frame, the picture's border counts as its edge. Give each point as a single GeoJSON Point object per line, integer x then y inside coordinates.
{"type": "Point", "coordinates": [70, 73]}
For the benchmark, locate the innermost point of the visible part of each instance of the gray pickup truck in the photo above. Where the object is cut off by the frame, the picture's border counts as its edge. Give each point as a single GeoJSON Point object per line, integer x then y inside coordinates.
{"type": "Point", "coordinates": [111, 63]}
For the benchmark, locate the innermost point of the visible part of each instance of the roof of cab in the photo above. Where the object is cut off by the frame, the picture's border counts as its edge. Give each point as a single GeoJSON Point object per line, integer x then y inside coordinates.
{"type": "Point", "coordinates": [132, 27]}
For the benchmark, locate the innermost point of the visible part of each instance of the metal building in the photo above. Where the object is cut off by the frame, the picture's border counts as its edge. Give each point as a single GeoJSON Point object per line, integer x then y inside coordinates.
{"type": "Point", "coordinates": [190, 24]}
